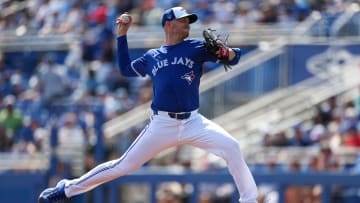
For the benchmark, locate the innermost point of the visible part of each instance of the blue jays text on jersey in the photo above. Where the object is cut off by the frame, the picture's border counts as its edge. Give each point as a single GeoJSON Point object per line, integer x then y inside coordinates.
{"type": "Point", "coordinates": [175, 61]}
{"type": "Point", "coordinates": [174, 70]}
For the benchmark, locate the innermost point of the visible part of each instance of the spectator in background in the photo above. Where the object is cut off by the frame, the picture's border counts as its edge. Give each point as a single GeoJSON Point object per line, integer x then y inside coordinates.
{"type": "Point", "coordinates": [314, 164]}
{"type": "Point", "coordinates": [73, 21]}
{"type": "Point", "coordinates": [16, 82]}
{"type": "Point", "coordinates": [203, 10]}
{"type": "Point", "coordinates": [287, 18]}
{"type": "Point", "coordinates": [5, 75]}
{"type": "Point", "coordinates": [117, 81]}
{"type": "Point", "coordinates": [91, 83]}
{"type": "Point", "coordinates": [170, 192]}
{"type": "Point", "coordinates": [87, 121]}
{"type": "Point", "coordinates": [71, 134]}
{"type": "Point", "coordinates": [25, 139]}
{"type": "Point", "coordinates": [104, 68]}
{"type": "Point", "coordinates": [5, 141]}
{"type": "Point", "coordinates": [268, 191]}
{"type": "Point", "coordinates": [299, 138]}
{"type": "Point", "coordinates": [116, 103]}
{"type": "Point", "coordinates": [351, 137]}
{"type": "Point", "coordinates": [52, 84]}
{"type": "Point", "coordinates": [56, 16]}
{"type": "Point", "coordinates": [31, 96]}
{"type": "Point", "coordinates": [72, 143]}
{"type": "Point", "coordinates": [7, 22]}
{"type": "Point", "coordinates": [268, 13]}
{"type": "Point", "coordinates": [32, 137]}
{"type": "Point", "coordinates": [318, 132]}
{"type": "Point", "coordinates": [294, 193]}
{"type": "Point", "coordinates": [10, 117]}
{"type": "Point", "coordinates": [245, 14]}
{"type": "Point", "coordinates": [280, 140]}
{"type": "Point", "coordinates": [334, 129]}
{"type": "Point", "coordinates": [267, 140]}
{"type": "Point", "coordinates": [327, 159]}
{"type": "Point", "coordinates": [98, 37]}
{"type": "Point", "coordinates": [50, 23]}
{"type": "Point", "coordinates": [350, 115]}
{"type": "Point", "coordinates": [224, 11]}
{"type": "Point", "coordinates": [42, 12]}
{"type": "Point", "coordinates": [329, 110]}
{"type": "Point", "coordinates": [147, 14]}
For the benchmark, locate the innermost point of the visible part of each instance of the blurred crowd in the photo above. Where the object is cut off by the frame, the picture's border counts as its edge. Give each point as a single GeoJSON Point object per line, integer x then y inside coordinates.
{"type": "Point", "coordinates": [53, 16]}
{"type": "Point", "coordinates": [334, 133]}
{"type": "Point", "coordinates": [335, 124]}
{"type": "Point", "coordinates": [88, 74]}
{"type": "Point", "coordinates": [64, 93]}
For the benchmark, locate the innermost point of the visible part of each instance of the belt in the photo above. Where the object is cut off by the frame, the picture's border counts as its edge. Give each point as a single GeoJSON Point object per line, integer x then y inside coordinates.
{"type": "Point", "coordinates": [179, 116]}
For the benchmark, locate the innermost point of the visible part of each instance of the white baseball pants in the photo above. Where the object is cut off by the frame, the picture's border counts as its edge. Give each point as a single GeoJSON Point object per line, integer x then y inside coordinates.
{"type": "Point", "coordinates": [164, 132]}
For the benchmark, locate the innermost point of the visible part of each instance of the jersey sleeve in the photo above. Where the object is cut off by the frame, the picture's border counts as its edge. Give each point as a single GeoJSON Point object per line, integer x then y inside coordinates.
{"type": "Point", "coordinates": [127, 67]}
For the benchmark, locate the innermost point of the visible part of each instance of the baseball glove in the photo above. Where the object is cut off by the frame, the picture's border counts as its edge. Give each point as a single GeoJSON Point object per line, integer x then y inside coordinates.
{"type": "Point", "coordinates": [217, 47]}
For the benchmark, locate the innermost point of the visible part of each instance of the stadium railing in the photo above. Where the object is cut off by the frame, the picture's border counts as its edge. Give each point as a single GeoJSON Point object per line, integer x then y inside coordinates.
{"type": "Point", "coordinates": [287, 107]}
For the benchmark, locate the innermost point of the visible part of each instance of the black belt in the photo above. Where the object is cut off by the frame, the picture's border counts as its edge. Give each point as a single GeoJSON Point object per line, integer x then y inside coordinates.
{"type": "Point", "coordinates": [179, 116]}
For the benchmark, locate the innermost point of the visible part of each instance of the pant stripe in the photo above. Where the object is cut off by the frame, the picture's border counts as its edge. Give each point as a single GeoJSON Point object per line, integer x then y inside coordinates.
{"type": "Point", "coordinates": [113, 165]}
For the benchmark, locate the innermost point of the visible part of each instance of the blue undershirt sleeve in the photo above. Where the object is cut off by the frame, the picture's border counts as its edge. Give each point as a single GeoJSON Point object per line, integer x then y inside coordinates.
{"type": "Point", "coordinates": [237, 56]}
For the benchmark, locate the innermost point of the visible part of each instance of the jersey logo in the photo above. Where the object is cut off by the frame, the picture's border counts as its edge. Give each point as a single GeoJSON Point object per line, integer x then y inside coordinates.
{"type": "Point", "coordinates": [189, 77]}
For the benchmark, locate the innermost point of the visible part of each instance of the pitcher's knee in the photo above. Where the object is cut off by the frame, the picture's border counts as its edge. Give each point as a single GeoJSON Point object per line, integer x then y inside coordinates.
{"type": "Point", "coordinates": [235, 146]}
{"type": "Point", "coordinates": [232, 150]}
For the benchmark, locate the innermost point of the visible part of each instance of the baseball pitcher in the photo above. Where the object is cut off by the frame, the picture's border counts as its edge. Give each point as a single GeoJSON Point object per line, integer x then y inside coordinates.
{"type": "Point", "coordinates": [175, 69]}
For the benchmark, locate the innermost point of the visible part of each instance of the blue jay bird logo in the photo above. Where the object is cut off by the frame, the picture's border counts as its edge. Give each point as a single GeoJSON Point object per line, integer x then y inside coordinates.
{"type": "Point", "coordinates": [189, 77]}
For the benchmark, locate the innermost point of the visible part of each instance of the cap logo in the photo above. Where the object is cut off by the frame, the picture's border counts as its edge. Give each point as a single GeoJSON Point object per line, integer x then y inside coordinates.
{"type": "Point", "coordinates": [169, 16]}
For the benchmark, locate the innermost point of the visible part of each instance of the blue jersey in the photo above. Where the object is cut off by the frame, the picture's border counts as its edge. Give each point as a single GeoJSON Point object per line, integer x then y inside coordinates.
{"type": "Point", "coordinates": [174, 70]}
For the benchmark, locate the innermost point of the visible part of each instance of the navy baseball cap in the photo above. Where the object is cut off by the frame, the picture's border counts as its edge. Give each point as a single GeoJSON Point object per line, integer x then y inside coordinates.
{"type": "Point", "coordinates": [176, 13]}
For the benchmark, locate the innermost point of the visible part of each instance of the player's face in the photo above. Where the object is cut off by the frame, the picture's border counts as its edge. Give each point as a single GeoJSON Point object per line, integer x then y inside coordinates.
{"type": "Point", "coordinates": [181, 27]}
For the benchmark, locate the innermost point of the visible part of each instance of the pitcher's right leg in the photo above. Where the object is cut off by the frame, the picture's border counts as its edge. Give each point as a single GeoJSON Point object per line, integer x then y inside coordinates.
{"type": "Point", "coordinates": [151, 141]}
{"type": "Point", "coordinates": [146, 146]}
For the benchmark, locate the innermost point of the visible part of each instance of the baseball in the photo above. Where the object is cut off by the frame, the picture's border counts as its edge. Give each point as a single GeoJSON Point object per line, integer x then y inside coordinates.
{"type": "Point", "coordinates": [124, 18]}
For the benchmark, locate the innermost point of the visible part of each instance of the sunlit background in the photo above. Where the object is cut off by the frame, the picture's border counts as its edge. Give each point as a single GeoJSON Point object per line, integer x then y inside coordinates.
{"type": "Point", "coordinates": [293, 101]}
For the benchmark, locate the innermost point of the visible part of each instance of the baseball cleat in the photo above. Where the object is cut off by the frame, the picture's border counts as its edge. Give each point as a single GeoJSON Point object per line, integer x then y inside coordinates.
{"type": "Point", "coordinates": [54, 194]}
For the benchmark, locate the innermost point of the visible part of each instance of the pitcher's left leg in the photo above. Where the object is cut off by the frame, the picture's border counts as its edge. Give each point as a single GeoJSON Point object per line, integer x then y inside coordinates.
{"type": "Point", "coordinates": [209, 136]}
